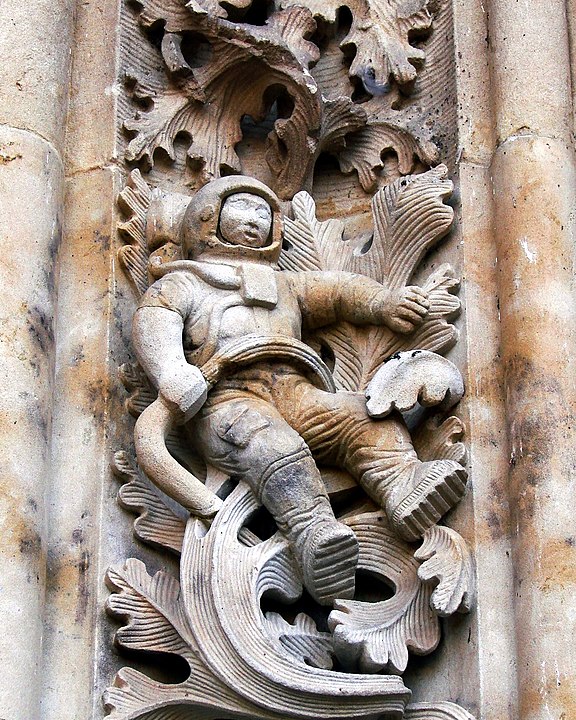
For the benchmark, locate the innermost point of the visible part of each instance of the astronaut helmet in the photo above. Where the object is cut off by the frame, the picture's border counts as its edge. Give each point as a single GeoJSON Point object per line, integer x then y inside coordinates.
{"type": "Point", "coordinates": [202, 237]}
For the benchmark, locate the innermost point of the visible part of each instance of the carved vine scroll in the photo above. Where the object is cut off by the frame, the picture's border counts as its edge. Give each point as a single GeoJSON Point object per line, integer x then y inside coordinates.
{"type": "Point", "coordinates": [294, 447]}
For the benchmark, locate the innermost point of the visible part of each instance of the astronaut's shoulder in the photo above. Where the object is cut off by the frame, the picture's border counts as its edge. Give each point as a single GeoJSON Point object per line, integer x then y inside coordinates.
{"type": "Point", "coordinates": [172, 290]}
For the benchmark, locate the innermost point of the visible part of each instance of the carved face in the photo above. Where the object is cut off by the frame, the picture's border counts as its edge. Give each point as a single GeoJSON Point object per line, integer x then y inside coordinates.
{"type": "Point", "coordinates": [246, 219]}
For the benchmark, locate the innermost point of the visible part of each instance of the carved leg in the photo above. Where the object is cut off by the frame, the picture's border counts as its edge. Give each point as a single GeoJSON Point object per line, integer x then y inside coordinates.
{"type": "Point", "coordinates": [379, 454]}
{"type": "Point", "coordinates": [250, 440]}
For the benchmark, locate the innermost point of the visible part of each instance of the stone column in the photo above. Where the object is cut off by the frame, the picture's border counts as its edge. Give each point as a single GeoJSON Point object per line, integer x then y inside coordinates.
{"type": "Point", "coordinates": [484, 400]}
{"type": "Point", "coordinates": [82, 489]}
{"type": "Point", "coordinates": [534, 185]}
{"type": "Point", "coordinates": [35, 38]}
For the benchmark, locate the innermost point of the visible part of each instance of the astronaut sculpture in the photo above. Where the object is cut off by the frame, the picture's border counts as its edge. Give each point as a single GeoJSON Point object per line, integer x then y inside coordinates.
{"type": "Point", "coordinates": [294, 449]}
{"type": "Point", "coordinates": [219, 336]}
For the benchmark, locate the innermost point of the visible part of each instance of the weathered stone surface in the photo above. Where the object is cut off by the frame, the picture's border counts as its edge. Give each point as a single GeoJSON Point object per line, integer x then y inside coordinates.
{"type": "Point", "coordinates": [535, 231]}
{"type": "Point", "coordinates": [80, 453]}
{"type": "Point", "coordinates": [485, 87]}
{"type": "Point", "coordinates": [92, 137]}
{"type": "Point", "coordinates": [30, 213]}
{"type": "Point", "coordinates": [484, 411]}
{"type": "Point", "coordinates": [35, 38]}
{"type": "Point", "coordinates": [530, 97]}
{"type": "Point", "coordinates": [475, 121]}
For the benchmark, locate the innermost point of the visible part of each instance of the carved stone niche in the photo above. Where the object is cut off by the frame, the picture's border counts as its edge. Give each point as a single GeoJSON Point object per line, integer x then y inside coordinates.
{"type": "Point", "coordinates": [294, 449]}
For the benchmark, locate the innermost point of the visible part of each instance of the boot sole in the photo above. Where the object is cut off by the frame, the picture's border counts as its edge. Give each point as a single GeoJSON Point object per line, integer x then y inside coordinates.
{"type": "Point", "coordinates": [435, 494]}
{"type": "Point", "coordinates": [331, 570]}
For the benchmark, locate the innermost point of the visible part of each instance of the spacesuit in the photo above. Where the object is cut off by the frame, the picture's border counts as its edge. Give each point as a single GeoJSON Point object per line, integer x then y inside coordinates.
{"type": "Point", "coordinates": [270, 419]}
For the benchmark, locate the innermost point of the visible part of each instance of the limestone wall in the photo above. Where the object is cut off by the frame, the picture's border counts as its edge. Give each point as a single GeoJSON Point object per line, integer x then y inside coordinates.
{"type": "Point", "coordinates": [508, 133]}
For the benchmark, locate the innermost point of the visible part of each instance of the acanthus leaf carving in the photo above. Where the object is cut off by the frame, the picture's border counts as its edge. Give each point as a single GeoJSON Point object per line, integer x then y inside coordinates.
{"type": "Point", "coordinates": [382, 30]}
{"type": "Point", "coordinates": [156, 621]}
{"type": "Point", "coordinates": [447, 561]}
{"type": "Point", "coordinates": [137, 384]}
{"type": "Point", "coordinates": [134, 201]}
{"type": "Point", "coordinates": [340, 117]}
{"type": "Point", "coordinates": [213, 620]}
{"type": "Point", "coordinates": [310, 244]}
{"type": "Point", "coordinates": [275, 55]}
{"type": "Point", "coordinates": [157, 523]}
{"type": "Point", "coordinates": [302, 639]}
{"type": "Point", "coordinates": [437, 711]}
{"type": "Point", "coordinates": [440, 438]}
{"type": "Point", "coordinates": [214, 7]}
{"type": "Point", "coordinates": [365, 150]}
{"type": "Point", "coordinates": [377, 636]}
{"type": "Point", "coordinates": [410, 217]}
{"type": "Point", "coordinates": [379, 38]}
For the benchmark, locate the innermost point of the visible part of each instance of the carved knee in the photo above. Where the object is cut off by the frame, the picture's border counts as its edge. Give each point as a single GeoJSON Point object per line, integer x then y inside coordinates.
{"type": "Point", "coordinates": [241, 425]}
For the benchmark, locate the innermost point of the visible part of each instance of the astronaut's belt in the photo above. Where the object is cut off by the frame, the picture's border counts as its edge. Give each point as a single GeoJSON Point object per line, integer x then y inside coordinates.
{"type": "Point", "coordinates": [257, 348]}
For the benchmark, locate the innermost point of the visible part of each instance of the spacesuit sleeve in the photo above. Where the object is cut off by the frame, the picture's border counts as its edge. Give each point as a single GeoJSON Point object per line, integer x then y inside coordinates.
{"type": "Point", "coordinates": [174, 291]}
{"type": "Point", "coordinates": [325, 297]}
{"type": "Point", "coordinates": [157, 337]}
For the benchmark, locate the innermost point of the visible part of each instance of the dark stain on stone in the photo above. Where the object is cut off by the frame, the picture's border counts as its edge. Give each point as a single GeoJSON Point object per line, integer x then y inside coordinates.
{"type": "Point", "coordinates": [77, 355]}
{"type": "Point", "coordinates": [53, 249]}
{"type": "Point", "coordinates": [83, 591]}
{"type": "Point", "coordinates": [536, 433]}
{"type": "Point", "coordinates": [123, 330]}
{"type": "Point", "coordinates": [97, 394]}
{"type": "Point", "coordinates": [78, 536]}
{"type": "Point", "coordinates": [51, 566]}
{"type": "Point", "coordinates": [55, 240]}
{"type": "Point", "coordinates": [42, 423]}
{"type": "Point", "coordinates": [531, 479]}
{"type": "Point", "coordinates": [40, 328]}
{"type": "Point", "coordinates": [536, 436]}
{"type": "Point", "coordinates": [494, 525]}
{"type": "Point", "coordinates": [102, 240]}
{"type": "Point", "coordinates": [30, 543]}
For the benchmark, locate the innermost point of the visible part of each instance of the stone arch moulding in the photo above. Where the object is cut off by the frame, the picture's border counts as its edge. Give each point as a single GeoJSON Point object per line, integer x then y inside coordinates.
{"type": "Point", "coordinates": [298, 415]}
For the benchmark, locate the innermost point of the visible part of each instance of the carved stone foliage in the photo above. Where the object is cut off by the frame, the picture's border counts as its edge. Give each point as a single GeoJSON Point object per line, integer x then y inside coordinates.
{"type": "Point", "coordinates": [294, 447]}
{"type": "Point", "coordinates": [391, 255]}
{"type": "Point", "coordinates": [244, 663]}
{"type": "Point", "coordinates": [304, 79]}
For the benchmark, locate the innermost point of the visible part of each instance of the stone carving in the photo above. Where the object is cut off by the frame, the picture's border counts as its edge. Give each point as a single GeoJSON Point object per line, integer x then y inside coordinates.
{"type": "Point", "coordinates": [240, 663]}
{"type": "Point", "coordinates": [238, 417]}
{"type": "Point", "coordinates": [200, 92]}
{"type": "Point", "coordinates": [192, 99]}
{"type": "Point", "coordinates": [284, 447]}
{"type": "Point", "coordinates": [379, 37]}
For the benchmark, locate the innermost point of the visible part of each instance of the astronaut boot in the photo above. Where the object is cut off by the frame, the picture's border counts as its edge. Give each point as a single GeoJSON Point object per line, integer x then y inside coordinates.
{"type": "Point", "coordinates": [326, 550]}
{"type": "Point", "coordinates": [328, 555]}
{"type": "Point", "coordinates": [421, 496]}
